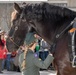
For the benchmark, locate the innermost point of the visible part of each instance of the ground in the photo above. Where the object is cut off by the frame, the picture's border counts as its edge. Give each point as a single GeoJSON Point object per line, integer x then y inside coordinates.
{"type": "Point", "coordinates": [18, 73]}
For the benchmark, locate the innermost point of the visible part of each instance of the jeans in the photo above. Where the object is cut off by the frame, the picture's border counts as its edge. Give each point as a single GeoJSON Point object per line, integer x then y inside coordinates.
{"type": "Point", "coordinates": [43, 55]}
{"type": "Point", "coordinates": [3, 64]}
{"type": "Point", "coordinates": [8, 61]}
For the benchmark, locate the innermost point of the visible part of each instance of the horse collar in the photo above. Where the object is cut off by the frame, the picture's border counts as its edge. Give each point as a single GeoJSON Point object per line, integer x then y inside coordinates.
{"type": "Point", "coordinates": [71, 24]}
{"type": "Point", "coordinates": [53, 44]}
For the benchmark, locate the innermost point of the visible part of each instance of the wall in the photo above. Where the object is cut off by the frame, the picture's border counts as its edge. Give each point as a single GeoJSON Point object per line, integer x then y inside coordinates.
{"type": "Point", "coordinates": [5, 12]}
{"type": "Point", "coordinates": [72, 3]}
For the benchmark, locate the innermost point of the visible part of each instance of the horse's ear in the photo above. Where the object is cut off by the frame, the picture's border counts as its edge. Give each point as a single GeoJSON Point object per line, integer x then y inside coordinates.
{"type": "Point", "coordinates": [17, 8]}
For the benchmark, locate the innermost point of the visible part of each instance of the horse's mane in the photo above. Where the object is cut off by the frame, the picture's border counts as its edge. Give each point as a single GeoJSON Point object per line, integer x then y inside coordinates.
{"type": "Point", "coordinates": [49, 12]}
{"type": "Point", "coordinates": [57, 10]}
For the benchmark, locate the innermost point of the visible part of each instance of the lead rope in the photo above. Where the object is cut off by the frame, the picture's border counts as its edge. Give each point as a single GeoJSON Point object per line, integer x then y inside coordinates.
{"type": "Point", "coordinates": [13, 42]}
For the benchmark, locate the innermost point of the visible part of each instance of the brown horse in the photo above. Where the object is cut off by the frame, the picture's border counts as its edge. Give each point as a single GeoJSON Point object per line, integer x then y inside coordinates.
{"type": "Point", "coordinates": [51, 23]}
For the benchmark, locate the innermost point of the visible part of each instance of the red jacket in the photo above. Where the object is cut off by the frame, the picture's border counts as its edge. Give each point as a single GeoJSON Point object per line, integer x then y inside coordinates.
{"type": "Point", "coordinates": [3, 51]}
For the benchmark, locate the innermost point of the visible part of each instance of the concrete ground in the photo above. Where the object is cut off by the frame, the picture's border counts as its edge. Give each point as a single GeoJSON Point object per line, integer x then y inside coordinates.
{"type": "Point", "coordinates": [18, 73]}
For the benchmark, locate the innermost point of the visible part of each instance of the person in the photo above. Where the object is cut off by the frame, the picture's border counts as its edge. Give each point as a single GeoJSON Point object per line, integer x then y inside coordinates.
{"type": "Point", "coordinates": [72, 43]}
{"type": "Point", "coordinates": [28, 63]}
{"type": "Point", "coordinates": [8, 67]}
{"type": "Point", "coordinates": [37, 48]}
{"type": "Point", "coordinates": [7, 56]}
{"type": "Point", "coordinates": [16, 59]}
{"type": "Point", "coordinates": [44, 47]}
{"type": "Point", "coordinates": [11, 64]}
{"type": "Point", "coordinates": [3, 50]}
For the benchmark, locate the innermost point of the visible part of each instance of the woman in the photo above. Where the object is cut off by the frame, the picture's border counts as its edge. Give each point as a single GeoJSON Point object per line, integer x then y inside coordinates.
{"type": "Point", "coordinates": [3, 50]}
{"type": "Point", "coordinates": [29, 63]}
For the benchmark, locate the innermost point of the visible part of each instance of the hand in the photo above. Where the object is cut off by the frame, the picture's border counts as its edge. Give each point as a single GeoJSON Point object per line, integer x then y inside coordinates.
{"type": "Point", "coordinates": [22, 47]}
{"type": "Point", "coordinates": [50, 54]}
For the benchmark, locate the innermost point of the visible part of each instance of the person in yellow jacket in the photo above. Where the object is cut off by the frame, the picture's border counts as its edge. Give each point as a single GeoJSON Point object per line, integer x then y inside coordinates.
{"type": "Point", "coordinates": [28, 62]}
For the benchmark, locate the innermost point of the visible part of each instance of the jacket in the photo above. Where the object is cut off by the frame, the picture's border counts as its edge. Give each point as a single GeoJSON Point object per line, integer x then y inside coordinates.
{"type": "Point", "coordinates": [3, 51]}
{"type": "Point", "coordinates": [33, 64]}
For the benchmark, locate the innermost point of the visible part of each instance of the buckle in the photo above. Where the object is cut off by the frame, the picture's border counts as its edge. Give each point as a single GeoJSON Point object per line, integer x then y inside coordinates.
{"type": "Point", "coordinates": [74, 61]}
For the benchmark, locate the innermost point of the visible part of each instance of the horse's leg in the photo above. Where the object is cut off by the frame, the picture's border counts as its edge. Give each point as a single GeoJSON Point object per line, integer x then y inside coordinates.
{"type": "Point", "coordinates": [62, 56]}
{"type": "Point", "coordinates": [62, 60]}
{"type": "Point", "coordinates": [65, 69]}
{"type": "Point", "coordinates": [56, 68]}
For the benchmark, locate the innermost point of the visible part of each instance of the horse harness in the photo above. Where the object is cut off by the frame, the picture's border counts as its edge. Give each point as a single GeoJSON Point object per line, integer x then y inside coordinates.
{"type": "Point", "coordinates": [72, 44]}
{"type": "Point", "coordinates": [57, 36]}
{"type": "Point", "coordinates": [72, 33]}
{"type": "Point", "coordinates": [11, 38]}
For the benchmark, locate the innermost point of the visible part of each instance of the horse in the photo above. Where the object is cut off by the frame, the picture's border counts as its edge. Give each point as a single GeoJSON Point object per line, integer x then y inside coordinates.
{"type": "Point", "coordinates": [18, 39]}
{"type": "Point", "coordinates": [50, 22]}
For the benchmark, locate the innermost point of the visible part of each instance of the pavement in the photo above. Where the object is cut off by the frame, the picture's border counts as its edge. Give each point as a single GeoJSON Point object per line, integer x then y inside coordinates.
{"type": "Point", "coordinates": [5, 72]}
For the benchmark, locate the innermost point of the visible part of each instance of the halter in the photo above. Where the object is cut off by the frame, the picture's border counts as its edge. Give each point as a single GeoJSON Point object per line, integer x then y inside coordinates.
{"type": "Point", "coordinates": [13, 41]}
{"type": "Point", "coordinates": [11, 38]}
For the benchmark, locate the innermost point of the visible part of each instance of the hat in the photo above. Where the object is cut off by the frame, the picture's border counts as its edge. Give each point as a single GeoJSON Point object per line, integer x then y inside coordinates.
{"type": "Point", "coordinates": [29, 38]}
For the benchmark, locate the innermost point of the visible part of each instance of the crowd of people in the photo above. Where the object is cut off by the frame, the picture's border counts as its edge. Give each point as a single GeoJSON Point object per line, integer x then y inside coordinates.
{"type": "Point", "coordinates": [36, 46]}
{"type": "Point", "coordinates": [6, 57]}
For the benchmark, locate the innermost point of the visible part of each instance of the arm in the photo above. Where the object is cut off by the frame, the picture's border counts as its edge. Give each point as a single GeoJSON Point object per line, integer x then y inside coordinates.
{"type": "Point", "coordinates": [43, 64]}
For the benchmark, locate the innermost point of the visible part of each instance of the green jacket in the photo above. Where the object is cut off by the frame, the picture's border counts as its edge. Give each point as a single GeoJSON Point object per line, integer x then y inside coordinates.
{"type": "Point", "coordinates": [33, 64]}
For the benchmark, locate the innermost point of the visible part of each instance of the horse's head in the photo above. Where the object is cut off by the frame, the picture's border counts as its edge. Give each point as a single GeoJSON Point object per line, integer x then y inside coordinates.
{"type": "Point", "coordinates": [19, 28]}
{"type": "Point", "coordinates": [44, 18]}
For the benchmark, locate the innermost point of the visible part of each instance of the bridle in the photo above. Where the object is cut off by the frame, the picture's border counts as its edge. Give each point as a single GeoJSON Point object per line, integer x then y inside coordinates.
{"type": "Point", "coordinates": [20, 19]}
{"type": "Point", "coordinates": [13, 41]}
{"type": "Point", "coordinates": [57, 36]}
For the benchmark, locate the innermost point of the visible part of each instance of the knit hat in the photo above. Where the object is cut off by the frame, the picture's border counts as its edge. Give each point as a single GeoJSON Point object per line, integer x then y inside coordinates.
{"type": "Point", "coordinates": [29, 38]}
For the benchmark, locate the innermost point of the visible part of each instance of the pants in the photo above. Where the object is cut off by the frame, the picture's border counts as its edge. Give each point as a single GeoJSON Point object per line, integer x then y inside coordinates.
{"type": "Point", "coordinates": [8, 62]}
{"type": "Point", "coordinates": [43, 55]}
{"type": "Point", "coordinates": [1, 64]}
